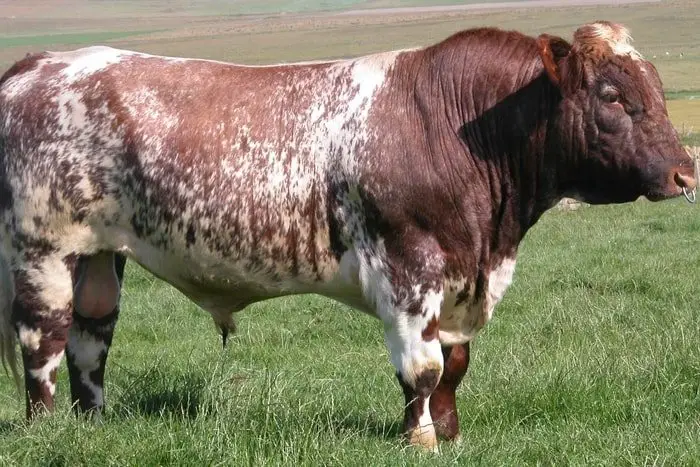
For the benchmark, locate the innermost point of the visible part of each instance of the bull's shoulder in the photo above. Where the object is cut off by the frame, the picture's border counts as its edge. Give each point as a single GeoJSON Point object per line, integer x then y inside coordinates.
{"type": "Point", "coordinates": [80, 63]}
{"type": "Point", "coordinates": [49, 72]}
{"type": "Point", "coordinates": [27, 64]}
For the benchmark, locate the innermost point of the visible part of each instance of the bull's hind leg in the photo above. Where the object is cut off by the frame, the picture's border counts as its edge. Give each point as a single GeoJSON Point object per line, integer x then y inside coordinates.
{"type": "Point", "coordinates": [41, 315]}
{"type": "Point", "coordinates": [97, 286]}
{"type": "Point", "coordinates": [443, 403]}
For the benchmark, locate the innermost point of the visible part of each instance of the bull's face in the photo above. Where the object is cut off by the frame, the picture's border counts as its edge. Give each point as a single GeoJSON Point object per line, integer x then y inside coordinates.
{"type": "Point", "coordinates": [614, 133]}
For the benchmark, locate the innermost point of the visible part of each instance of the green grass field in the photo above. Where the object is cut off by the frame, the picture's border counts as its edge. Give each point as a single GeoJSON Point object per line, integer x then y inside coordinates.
{"type": "Point", "coordinates": [591, 359]}
{"type": "Point", "coordinates": [74, 39]}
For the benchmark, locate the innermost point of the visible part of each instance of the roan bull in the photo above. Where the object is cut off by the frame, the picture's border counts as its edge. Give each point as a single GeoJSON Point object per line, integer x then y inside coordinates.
{"type": "Point", "coordinates": [400, 183]}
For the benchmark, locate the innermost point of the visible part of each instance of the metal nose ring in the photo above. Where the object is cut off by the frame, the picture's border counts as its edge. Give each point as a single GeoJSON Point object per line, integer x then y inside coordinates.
{"type": "Point", "coordinates": [689, 195]}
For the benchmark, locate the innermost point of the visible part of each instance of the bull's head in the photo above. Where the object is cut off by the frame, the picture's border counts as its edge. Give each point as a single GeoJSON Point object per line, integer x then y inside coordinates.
{"type": "Point", "coordinates": [613, 133]}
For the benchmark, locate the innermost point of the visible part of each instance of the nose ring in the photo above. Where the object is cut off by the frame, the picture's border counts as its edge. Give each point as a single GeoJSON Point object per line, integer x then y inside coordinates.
{"type": "Point", "coordinates": [689, 195]}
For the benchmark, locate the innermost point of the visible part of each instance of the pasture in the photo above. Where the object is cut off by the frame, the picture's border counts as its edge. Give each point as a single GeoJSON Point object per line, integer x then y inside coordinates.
{"type": "Point", "coordinates": [591, 358]}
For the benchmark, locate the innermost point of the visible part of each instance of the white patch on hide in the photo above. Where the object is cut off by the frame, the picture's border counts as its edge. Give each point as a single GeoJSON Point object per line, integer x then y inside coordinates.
{"type": "Point", "coordinates": [499, 281]}
{"type": "Point", "coordinates": [29, 338]}
{"type": "Point", "coordinates": [43, 374]}
{"type": "Point", "coordinates": [54, 283]}
{"type": "Point", "coordinates": [460, 323]}
{"type": "Point", "coordinates": [83, 62]}
{"type": "Point", "coordinates": [410, 354]}
{"type": "Point", "coordinates": [85, 352]}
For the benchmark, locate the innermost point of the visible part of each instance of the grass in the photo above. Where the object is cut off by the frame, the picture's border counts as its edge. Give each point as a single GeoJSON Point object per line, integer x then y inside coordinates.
{"type": "Point", "coordinates": [592, 358]}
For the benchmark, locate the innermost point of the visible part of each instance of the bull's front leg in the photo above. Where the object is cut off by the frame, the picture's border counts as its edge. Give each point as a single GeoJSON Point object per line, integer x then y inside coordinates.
{"type": "Point", "coordinates": [403, 280]}
{"type": "Point", "coordinates": [409, 305]}
{"type": "Point", "coordinates": [443, 403]}
{"type": "Point", "coordinates": [412, 338]}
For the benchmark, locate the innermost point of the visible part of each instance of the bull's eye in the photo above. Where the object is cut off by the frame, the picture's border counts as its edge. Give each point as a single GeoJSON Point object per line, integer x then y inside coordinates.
{"type": "Point", "coordinates": [611, 97]}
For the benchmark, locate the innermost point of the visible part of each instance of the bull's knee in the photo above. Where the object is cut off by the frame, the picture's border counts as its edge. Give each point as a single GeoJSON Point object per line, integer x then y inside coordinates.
{"type": "Point", "coordinates": [97, 288]}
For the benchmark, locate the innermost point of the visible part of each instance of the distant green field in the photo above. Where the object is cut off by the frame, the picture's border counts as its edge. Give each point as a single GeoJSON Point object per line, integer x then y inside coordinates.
{"type": "Point", "coordinates": [66, 39]}
{"type": "Point", "coordinates": [691, 139]}
{"type": "Point", "coordinates": [681, 95]}
{"type": "Point", "coordinates": [665, 32]}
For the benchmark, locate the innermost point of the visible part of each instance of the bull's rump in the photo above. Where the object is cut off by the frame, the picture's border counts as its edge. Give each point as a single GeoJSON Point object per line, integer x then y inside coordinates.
{"type": "Point", "coordinates": [211, 175]}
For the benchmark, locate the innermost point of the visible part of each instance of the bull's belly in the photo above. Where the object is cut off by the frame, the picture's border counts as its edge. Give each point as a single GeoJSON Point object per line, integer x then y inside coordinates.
{"type": "Point", "coordinates": [222, 285]}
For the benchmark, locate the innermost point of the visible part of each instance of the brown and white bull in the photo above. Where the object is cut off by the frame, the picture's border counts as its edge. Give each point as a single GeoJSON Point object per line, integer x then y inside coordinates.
{"type": "Point", "coordinates": [400, 183]}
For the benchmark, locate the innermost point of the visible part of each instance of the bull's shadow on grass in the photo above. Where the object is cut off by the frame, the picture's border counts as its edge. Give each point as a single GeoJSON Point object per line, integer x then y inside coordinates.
{"type": "Point", "coordinates": [7, 426]}
{"type": "Point", "coordinates": [157, 395]}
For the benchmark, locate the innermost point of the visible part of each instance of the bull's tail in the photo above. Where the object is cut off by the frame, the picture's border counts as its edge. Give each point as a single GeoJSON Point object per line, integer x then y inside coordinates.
{"type": "Point", "coordinates": [8, 337]}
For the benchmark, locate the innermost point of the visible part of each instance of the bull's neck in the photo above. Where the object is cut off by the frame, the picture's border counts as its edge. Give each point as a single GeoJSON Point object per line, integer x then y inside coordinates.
{"type": "Point", "coordinates": [495, 138]}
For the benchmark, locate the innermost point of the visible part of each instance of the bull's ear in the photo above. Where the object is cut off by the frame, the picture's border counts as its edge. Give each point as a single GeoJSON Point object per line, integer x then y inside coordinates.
{"type": "Point", "coordinates": [552, 50]}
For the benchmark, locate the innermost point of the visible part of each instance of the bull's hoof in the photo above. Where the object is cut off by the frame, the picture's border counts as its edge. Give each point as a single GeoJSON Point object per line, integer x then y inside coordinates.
{"type": "Point", "coordinates": [423, 437]}
{"type": "Point", "coordinates": [446, 426]}
{"type": "Point", "coordinates": [96, 417]}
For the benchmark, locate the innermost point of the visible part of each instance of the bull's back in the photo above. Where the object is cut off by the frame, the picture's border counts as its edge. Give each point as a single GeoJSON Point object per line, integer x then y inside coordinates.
{"type": "Point", "coordinates": [224, 166]}
{"type": "Point", "coordinates": [219, 166]}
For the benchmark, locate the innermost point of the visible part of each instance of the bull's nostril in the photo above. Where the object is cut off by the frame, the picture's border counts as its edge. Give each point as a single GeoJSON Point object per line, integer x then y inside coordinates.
{"type": "Point", "coordinates": [684, 181]}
